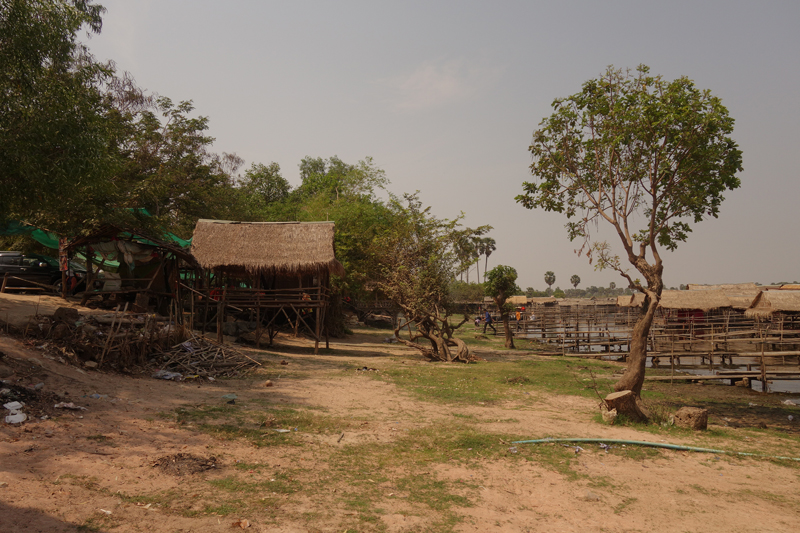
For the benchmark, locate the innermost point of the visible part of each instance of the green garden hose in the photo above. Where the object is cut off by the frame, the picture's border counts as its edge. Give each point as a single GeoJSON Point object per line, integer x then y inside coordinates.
{"type": "Point", "coordinates": [653, 445]}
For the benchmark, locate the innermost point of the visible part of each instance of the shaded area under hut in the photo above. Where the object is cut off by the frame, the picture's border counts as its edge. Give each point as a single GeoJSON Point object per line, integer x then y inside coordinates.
{"type": "Point", "coordinates": [263, 276]}
{"type": "Point", "coordinates": [131, 267]}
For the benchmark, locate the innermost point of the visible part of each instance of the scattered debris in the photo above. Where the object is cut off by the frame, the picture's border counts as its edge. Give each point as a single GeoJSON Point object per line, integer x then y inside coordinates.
{"type": "Point", "coordinates": [243, 523]}
{"type": "Point", "coordinates": [367, 369]}
{"type": "Point", "coordinates": [268, 383]}
{"type": "Point", "coordinates": [181, 464]}
{"type": "Point", "coordinates": [166, 374]}
{"type": "Point", "coordinates": [69, 405]}
{"type": "Point", "coordinates": [790, 402]}
{"type": "Point", "coordinates": [518, 380]}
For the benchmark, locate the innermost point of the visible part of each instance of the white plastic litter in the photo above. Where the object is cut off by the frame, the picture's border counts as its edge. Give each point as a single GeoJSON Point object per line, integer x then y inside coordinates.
{"type": "Point", "coordinates": [16, 417]}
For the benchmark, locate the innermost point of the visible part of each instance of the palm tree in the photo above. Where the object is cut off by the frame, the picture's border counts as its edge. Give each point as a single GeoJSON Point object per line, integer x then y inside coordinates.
{"type": "Point", "coordinates": [575, 280]}
{"type": "Point", "coordinates": [488, 245]}
{"type": "Point", "coordinates": [549, 278]}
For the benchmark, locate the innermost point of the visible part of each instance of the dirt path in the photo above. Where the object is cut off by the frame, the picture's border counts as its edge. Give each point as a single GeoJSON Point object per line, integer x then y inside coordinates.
{"type": "Point", "coordinates": [368, 455]}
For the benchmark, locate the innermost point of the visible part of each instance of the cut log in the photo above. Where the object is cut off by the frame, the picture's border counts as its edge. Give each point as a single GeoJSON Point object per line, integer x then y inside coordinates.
{"type": "Point", "coordinates": [695, 418]}
{"type": "Point", "coordinates": [627, 404]}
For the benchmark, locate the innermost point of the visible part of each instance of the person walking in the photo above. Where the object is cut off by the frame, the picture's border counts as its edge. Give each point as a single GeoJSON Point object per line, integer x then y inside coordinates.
{"type": "Point", "coordinates": [487, 321]}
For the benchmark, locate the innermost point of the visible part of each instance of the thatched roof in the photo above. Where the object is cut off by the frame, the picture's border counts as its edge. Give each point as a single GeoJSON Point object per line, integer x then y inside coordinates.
{"type": "Point", "coordinates": [694, 300]}
{"type": "Point", "coordinates": [741, 301]}
{"type": "Point", "coordinates": [775, 301]}
{"type": "Point", "coordinates": [704, 300]}
{"type": "Point", "coordinates": [740, 288]}
{"type": "Point", "coordinates": [542, 300]}
{"type": "Point", "coordinates": [790, 287]}
{"type": "Point", "coordinates": [517, 300]}
{"type": "Point", "coordinates": [265, 247]}
{"type": "Point", "coordinates": [630, 300]}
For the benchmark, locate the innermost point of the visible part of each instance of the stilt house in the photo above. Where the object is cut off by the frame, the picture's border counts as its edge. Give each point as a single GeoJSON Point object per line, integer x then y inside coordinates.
{"type": "Point", "coordinates": [268, 273]}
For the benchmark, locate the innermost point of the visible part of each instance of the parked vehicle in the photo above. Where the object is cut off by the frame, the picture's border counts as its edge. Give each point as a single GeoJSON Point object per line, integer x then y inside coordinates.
{"type": "Point", "coordinates": [38, 269]}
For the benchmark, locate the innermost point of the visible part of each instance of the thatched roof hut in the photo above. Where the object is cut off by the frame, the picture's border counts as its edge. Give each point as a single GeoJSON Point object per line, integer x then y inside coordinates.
{"type": "Point", "coordinates": [727, 287]}
{"type": "Point", "coordinates": [630, 300]}
{"type": "Point", "coordinates": [704, 300]}
{"type": "Point", "coordinates": [517, 300]}
{"type": "Point", "coordinates": [741, 301]}
{"type": "Point", "coordinates": [542, 300]}
{"type": "Point", "coordinates": [284, 248]}
{"type": "Point", "coordinates": [776, 301]}
{"type": "Point", "coordinates": [694, 300]}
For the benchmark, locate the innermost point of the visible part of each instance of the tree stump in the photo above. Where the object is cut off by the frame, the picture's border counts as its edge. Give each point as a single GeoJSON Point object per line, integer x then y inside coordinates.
{"type": "Point", "coordinates": [692, 418]}
{"type": "Point", "coordinates": [627, 404]}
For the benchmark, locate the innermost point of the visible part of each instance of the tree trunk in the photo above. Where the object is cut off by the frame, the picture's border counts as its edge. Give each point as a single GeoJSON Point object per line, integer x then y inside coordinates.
{"type": "Point", "coordinates": [509, 334]}
{"type": "Point", "coordinates": [628, 404]}
{"type": "Point", "coordinates": [633, 378]}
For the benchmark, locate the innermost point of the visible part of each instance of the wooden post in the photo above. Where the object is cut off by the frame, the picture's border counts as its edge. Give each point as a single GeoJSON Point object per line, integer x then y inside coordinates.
{"type": "Point", "coordinates": [208, 303]}
{"type": "Point", "coordinates": [5, 282]}
{"type": "Point", "coordinates": [89, 277]}
{"type": "Point", "coordinates": [318, 313]}
{"type": "Point", "coordinates": [258, 311]}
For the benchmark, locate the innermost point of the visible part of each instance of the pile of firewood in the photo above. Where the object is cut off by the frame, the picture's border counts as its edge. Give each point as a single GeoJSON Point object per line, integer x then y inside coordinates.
{"type": "Point", "coordinates": [200, 356]}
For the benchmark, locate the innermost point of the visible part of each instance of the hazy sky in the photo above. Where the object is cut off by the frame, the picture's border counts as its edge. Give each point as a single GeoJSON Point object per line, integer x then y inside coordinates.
{"type": "Point", "coordinates": [445, 96]}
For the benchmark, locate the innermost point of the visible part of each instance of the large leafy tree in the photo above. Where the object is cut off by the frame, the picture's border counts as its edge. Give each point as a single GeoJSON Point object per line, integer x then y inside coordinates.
{"type": "Point", "coordinates": [501, 282]}
{"type": "Point", "coordinates": [168, 166]}
{"type": "Point", "coordinates": [54, 138]}
{"type": "Point", "coordinates": [417, 259]}
{"type": "Point", "coordinates": [646, 156]}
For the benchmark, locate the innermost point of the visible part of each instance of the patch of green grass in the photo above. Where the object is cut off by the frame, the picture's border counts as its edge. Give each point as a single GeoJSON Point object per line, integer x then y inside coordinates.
{"type": "Point", "coordinates": [624, 504]}
{"type": "Point", "coordinates": [489, 382]}
{"type": "Point", "coordinates": [280, 483]}
{"type": "Point", "coordinates": [257, 424]}
{"type": "Point", "coordinates": [557, 458]}
{"type": "Point", "coordinates": [601, 482]}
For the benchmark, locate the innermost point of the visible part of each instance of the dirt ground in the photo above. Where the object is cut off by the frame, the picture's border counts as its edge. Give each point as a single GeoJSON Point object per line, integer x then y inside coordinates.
{"type": "Point", "coordinates": [130, 463]}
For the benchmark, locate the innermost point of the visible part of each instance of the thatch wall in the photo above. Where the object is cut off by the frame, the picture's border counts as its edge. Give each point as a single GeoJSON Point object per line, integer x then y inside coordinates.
{"type": "Point", "coordinates": [266, 247]}
{"type": "Point", "coordinates": [776, 301]}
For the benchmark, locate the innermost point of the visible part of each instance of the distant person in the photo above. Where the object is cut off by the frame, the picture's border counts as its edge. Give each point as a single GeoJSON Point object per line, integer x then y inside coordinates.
{"type": "Point", "coordinates": [487, 321]}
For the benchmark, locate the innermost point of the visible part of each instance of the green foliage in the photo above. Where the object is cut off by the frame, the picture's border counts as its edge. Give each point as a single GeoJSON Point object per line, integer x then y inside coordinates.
{"type": "Point", "coordinates": [501, 282]}
{"type": "Point", "coordinates": [461, 291]}
{"type": "Point", "coordinates": [558, 293]}
{"type": "Point", "coordinates": [417, 258]}
{"type": "Point", "coordinates": [54, 156]}
{"type": "Point", "coordinates": [168, 167]}
{"type": "Point", "coordinates": [575, 280]}
{"type": "Point", "coordinates": [263, 185]}
{"type": "Point", "coordinates": [633, 148]}
{"type": "Point", "coordinates": [549, 278]}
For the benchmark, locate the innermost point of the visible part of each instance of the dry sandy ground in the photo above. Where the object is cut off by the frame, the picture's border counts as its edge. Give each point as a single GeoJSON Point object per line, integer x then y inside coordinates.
{"type": "Point", "coordinates": [69, 473]}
